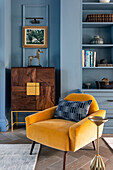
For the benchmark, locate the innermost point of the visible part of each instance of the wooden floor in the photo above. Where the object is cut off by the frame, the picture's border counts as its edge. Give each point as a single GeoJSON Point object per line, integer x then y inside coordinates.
{"type": "Point", "coordinates": [51, 159]}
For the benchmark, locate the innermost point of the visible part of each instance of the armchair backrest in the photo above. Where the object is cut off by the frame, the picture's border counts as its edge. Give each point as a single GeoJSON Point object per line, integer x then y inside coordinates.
{"type": "Point", "coordinates": [84, 97]}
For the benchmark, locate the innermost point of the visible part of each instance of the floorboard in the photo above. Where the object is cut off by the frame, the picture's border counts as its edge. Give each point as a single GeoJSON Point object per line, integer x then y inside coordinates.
{"type": "Point", "coordinates": [52, 159]}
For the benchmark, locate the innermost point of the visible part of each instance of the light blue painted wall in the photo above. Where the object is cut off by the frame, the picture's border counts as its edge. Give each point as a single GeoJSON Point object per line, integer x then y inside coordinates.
{"type": "Point", "coordinates": [70, 45]}
{"type": "Point", "coordinates": [5, 58]}
{"type": "Point", "coordinates": [53, 34]}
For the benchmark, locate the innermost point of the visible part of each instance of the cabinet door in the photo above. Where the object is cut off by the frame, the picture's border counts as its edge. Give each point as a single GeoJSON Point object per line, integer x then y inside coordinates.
{"type": "Point", "coordinates": [19, 98]}
{"type": "Point", "coordinates": [46, 79]}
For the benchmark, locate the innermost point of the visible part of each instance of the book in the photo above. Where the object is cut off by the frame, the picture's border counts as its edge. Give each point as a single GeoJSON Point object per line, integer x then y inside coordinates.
{"type": "Point", "coordinates": [94, 58]}
{"type": "Point", "coordinates": [105, 65]}
{"type": "Point", "coordinates": [99, 18]}
{"type": "Point", "coordinates": [91, 59]}
{"type": "Point", "coordinates": [87, 59]}
{"type": "Point", "coordinates": [83, 58]}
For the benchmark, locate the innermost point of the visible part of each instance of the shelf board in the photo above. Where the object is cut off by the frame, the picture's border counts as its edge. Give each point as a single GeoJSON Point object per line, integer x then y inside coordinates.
{"type": "Point", "coordinates": [96, 24]}
{"type": "Point", "coordinates": [97, 6]}
{"type": "Point", "coordinates": [97, 45]}
{"type": "Point", "coordinates": [97, 90]}
{"type": "Point", "coordinates": [97, 67]}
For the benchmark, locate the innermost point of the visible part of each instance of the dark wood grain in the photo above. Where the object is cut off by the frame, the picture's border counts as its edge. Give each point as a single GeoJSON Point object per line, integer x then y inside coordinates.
{"type": "Point", "coordinates": [46, 78]}
{"type": "Point", "coordinates": [20, 76]}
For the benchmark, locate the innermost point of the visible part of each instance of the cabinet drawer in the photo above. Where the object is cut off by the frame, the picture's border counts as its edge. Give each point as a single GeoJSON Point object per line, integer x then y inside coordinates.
{"type": "Point", "coordinates": [105, 106]}
{"type": "Point", "coordinates": [109, 113]}
{"type": "Point", "coordinates": [104, 99]}
{"type": "Point", "coordinates": [109, 123]}
{"type": "Point", "coordinates": [100, 94]}
{"type": "Point", "coordinates": [105, 102]}
{"type": "Point", "coordinates": [108, 130]}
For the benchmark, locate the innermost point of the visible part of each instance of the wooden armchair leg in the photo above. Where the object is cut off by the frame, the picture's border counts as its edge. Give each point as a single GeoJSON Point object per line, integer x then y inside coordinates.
{"type": "Point", "coordinates": [64, 161]}
{"type": "Point", "coordinates": [32, 147]}
{"type": "Point", "coordinates": [93, 142]}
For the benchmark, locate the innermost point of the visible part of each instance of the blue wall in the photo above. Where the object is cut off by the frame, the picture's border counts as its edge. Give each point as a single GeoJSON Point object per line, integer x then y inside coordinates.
{"type": "Point", "coordinates": [11, 46]}
{"type": "Point", "coordinates": [2, 67]}
{"type": "Point", "coordinates": [53, 37]}
{"type": "Point", "coordinates": [5, 60]}
{"type": "Point", "coordinates": [71, 71]}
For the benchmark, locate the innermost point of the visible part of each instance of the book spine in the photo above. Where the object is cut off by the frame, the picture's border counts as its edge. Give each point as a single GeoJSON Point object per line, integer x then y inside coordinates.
{"type": "Point", "coordinates": [95, 59]}
{"type": "Point", "coordinates": [83, 58]}
{"type": "Point", "coordinates": [106, 18]}
{"type": "Point", "coordinates": [111, 17]}
{"type": "Point", "coordinates": [87, 59]}
{"type": "Point", "coordinates": [91, 59]}
{"type": "Point", "coordinates": [102, 16]}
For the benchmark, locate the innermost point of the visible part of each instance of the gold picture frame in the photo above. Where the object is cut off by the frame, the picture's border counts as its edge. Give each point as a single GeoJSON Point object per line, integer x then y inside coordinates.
{"type": "Point", "coordinates": [34, 36]}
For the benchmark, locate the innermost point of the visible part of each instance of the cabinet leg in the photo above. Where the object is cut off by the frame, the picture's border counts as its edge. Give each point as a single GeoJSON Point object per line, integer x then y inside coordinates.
{"type": "Point", "coordinates": [11, 121]}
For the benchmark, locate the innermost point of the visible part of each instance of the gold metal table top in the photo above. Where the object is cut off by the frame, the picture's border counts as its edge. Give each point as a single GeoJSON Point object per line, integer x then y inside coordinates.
{"type": "Point", "coordinates": [98, 120]}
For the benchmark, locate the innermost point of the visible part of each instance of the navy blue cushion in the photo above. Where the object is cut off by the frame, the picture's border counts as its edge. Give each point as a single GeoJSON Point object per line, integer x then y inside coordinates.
{"type": "Point", "coordinates": [74, 111]}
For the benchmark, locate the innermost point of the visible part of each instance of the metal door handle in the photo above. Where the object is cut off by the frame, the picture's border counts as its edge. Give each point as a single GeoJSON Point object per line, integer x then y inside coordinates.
{"type": "Point", "coordinates": [109, 100]}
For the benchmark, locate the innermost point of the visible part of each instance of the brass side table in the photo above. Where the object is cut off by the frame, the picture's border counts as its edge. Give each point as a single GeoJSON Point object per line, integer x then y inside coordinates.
{"type": "Point", "coordinates": [97, 162]}
{"type": "Point", "coordinates": [16, 122]}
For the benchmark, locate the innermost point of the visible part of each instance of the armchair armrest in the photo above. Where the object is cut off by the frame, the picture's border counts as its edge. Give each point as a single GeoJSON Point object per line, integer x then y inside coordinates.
{"type": "Point", "coordinates": [43, 115]}
{"type": "Point", "coordinates": [85, 131]}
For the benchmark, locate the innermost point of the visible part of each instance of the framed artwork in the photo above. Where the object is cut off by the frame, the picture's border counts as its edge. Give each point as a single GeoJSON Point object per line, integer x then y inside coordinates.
{"type": "Point", "coordinates": [34, 36]}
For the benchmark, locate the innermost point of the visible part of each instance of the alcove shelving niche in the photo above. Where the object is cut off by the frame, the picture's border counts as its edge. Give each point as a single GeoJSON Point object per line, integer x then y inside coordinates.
{"type": "Point", "coordinates": [103, 51]}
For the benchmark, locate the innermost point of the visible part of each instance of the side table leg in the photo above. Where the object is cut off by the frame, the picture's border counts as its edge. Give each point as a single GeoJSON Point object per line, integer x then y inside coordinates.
{"type": "Point", "coordinates": [17, 118]}
{"type": "Point", "coordinates": [12, 121]}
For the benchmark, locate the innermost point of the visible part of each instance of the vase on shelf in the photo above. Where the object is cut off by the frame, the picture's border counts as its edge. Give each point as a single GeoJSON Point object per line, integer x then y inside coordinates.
{"type": "Point", "coordinates": [96, 40]}
{"type": "Point", "coordinates": [104, 1]}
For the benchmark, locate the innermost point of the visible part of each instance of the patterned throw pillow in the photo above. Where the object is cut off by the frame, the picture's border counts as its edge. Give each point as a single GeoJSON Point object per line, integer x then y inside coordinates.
{"type": "Point", "coordinates": [74, 111]}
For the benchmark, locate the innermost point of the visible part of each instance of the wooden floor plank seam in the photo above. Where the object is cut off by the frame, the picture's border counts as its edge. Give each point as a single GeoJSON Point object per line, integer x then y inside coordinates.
{"type": "Point", "coordinates": [47, 154]}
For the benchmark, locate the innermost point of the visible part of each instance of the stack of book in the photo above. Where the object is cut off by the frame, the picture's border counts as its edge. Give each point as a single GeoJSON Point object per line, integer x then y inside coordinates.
{"type": "Point", "coordinates": [88, 58]}
{"type": "Point", "coordinates": [99, 18]}
{"type": "Point", "coordinates": [105, 65]}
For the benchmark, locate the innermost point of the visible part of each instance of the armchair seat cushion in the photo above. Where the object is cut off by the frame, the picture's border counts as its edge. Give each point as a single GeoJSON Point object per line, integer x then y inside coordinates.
{"type": "Point", "coordinates": [52, 132]}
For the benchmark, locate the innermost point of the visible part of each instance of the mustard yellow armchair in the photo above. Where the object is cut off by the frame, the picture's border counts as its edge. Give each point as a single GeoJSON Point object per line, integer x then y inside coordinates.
{"type": "Point", "coordinates": [63, 134]}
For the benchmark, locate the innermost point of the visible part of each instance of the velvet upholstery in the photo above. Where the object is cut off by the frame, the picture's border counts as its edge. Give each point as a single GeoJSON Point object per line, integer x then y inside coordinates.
{"type": "Point", "coordinates": [63, 134]}
{"type": "Point", "coordinates": [52, 132]}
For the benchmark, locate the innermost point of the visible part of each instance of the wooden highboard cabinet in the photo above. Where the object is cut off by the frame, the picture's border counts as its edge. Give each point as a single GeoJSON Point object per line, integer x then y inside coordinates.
{"type": "Point", "coordinates": [32, 88]}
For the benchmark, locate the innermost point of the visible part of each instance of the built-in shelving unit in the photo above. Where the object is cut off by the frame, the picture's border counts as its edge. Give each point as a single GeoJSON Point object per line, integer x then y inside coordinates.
{"type": "Point", "coordinates": [104, 97]}
{"type": "Point", "coordinates": [104, 51]}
